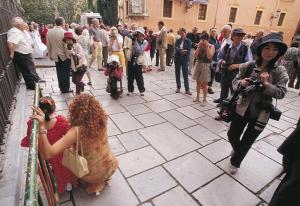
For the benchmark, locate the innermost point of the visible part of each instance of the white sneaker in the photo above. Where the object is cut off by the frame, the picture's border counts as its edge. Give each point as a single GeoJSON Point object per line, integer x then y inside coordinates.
{"type": "Point", "coordinates": [142, 93]}
{"type": "Point", "coordinates": [129, 93]}
{"type": "Point", "coordinates": [232, 169]}
{"type": "Point", "coordinates": [97, 193]}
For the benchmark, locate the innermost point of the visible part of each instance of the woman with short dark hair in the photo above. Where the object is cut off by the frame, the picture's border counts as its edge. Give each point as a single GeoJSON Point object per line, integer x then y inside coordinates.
{"type": "Point", "coordinates": [260, 82]}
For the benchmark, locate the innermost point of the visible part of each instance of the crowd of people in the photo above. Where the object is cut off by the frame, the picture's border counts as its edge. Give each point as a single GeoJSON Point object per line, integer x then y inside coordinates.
{"type": "Point", "coordinates": [257, 70]}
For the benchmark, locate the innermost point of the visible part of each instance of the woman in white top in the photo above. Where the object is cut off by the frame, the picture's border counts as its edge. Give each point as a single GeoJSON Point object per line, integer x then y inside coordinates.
{"type": "Point", "coordinates": [115, 46]}
{"type": "Point", "coordinates": [39, 49]}
{"type": "Point", "coordinates": [84, 40]}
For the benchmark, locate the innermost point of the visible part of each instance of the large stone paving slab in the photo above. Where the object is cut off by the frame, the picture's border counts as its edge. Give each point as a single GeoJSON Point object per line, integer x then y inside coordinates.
{"type": "Point", "coordinates": [201, 134]}
{"type": "Point", "coordinates": [119, 193]}
{"type": "Point", "coordinates": [137, 109]}
{"type": "Point", "coordinates": [129, 100]}
{"type": "Point", "coordinates": [150, 119]}
{"type": "Point", "coordinates": [256, 170]}
{"type": "Point", "coordinates": [160, 105]}
{"type": "Point", "coordinates": [216, 151]}
{"type": "Point", "coordinates": [139, 160]}
{"type": "Point", "coordinates": [191, 112]}
{"type": "Point", "coordinates": [225, 191]}
{"type": "Point", "coordinates": [192, 170]}
{"type": "Point", "coordinates": [126, 122]}
{"type": "Point", "coordinates": [178, 119]}
{"type": "Point", "coordinates": [268, 150]}
{"type": "Point", "coordinates": [212, 124]}
{"type": "Point", "coordinates": [151, 183]}
{"type": "Point", "coordinates": [115, 146]}
{"type": "Point", "coordinates": [132, 140]}
{"type": "Point", "coordinates": [114, 108]}
{"type": "Point", "coordinates": [172, 97]}
{"type": "Point", "coordinates": [174, 197]}
{"type": "Point", "coordinates": [267, 194]}
{"type": "Point", "coordinates": [112, 129]}
{"type": "Point", "coordinates": [275, 140]}
{"type": "Point", "coordinates": [168, 140]}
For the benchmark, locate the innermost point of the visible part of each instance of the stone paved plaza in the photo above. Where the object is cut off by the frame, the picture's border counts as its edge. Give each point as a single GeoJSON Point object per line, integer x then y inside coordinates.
{"type": "Point", "coordinates": [171, 150]}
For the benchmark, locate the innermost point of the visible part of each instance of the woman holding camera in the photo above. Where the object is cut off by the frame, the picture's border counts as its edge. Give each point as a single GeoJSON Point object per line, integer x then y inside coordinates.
{"type": "Point", "coordinates": [202, 74]}
{"type": "Point", "coordinates": [78, 62]}
{"type": "Point", "coordinates": [254, 107]}
{"type": "Point", "coordinates": [139, 44]}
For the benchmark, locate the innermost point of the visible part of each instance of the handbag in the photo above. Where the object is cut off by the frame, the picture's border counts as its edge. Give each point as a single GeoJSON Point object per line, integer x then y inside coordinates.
{"type": "Point", "coordinates": [76, 163]}
{"type": "Point", "coordinates": [81, 69]}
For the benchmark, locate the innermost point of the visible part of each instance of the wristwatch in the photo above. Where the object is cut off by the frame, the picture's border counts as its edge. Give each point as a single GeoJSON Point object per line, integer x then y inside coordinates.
{"type": "Point", "coordinates": [43, 131]}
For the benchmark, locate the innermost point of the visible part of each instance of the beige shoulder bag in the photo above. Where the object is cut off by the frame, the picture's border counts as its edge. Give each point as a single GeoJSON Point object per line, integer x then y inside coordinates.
{"type": "Point", "coordinates": [76, 163]}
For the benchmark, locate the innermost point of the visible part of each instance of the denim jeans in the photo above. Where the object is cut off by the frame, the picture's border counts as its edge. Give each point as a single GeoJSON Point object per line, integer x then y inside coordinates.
{"type": "Point", "coordinates": [182, 62]}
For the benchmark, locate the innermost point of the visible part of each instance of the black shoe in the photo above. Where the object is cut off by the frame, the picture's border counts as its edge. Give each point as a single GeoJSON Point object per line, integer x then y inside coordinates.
{"type": "Point", "coordinates": [218, 100]}
{"type": "Point", "coordinates": [218, 118]}
{"type": "Point", "coordinates": [210, 90]}
{"type": "Point", "coordinates": [68, 91]}
{"type": "Point", "coordinates": [41, 81]}
{"type": "Point", "coordinates": [30, 88]}
{"type": "Point", "coordinates": [89, 83]}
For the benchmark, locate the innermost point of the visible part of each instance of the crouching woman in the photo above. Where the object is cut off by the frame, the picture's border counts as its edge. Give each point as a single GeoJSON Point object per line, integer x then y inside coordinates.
{"type": "Point", "coordinates": [89, 124]}
{"type": "Point", "coordinates": [260, 82]}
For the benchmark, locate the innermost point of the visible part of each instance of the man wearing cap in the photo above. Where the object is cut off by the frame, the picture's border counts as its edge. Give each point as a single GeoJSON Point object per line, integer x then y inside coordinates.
{"type": "Point", "coordinates": [229, 59]}
{"type": "Point", "coordinates": [57, 52]}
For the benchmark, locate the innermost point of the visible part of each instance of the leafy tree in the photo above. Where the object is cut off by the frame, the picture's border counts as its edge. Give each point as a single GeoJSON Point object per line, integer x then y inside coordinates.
{"type": "Point", "coordinates": [109, 11]}
{"type": "Point", "coordinates": [44, 11]}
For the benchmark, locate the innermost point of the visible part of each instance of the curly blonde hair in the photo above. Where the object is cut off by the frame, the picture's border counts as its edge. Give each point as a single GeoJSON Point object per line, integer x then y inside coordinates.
{"type": "Point", "coordinates": [87, 113]}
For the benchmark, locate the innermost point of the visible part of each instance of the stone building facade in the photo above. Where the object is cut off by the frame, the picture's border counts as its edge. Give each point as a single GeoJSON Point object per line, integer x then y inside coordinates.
{"type": "Point", "coordinates": [269, 15]}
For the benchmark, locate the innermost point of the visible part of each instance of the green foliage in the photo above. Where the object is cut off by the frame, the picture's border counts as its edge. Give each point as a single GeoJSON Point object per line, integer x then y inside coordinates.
{"type": "Point", "coordinates": [44, 11]}
{"type": "Point", "coordinates": [109, 11]}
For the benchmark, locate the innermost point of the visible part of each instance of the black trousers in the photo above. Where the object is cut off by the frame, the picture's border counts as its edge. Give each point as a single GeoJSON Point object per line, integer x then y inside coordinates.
{"type": "Point", "coordinates": [288, 191]}
{"type": "Point", "coordinates": [157, 58]}
{"type": "Point", "coordinates": [226, 83]}
{"type": "Point", "coordinates": [76, 79]}
{"type": "Point", "coordinates": [63, 74]}
{"type": "Point", "coordinates": [135, 72]}
{"type": "Point", "coordinates": [25, 64]}
{"type": "Point", "coordinates": [105, 55]}
{"type": "Point", "coordinates": [170, 55]}
{"type": "Point", "coordinates": [241, 146]}
{"type": "Point", "coordinates": [213, 68]}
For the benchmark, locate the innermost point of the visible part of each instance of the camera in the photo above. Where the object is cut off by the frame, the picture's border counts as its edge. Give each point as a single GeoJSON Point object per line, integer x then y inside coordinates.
{"type": "Point", "coordinates": [70, 46]}
{"type": "Point", "coordinates": [254, 85]}
{"type": "Point", "coordinates": [275, 113]}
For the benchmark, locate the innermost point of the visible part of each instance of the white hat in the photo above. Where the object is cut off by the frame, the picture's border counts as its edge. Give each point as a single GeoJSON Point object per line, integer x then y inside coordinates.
{"type": "Point", "coordinates": [113, 31]}
{"type": "Point", "coordinates": [140, 30]}
{"type": "Point", "coordinates": [113, 58]}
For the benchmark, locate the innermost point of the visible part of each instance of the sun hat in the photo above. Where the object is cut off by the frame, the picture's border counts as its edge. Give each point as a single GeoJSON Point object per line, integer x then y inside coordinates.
{"type": "Point", "coordinates": [238, 31]}
{"type": "Point", "coordinates": [141, 30]}
{"type": "Point", "coordinates": [113, 31]}
{"type": "Point", "coordinates": [69, 35]}
{"type": "Point", "coordinates": [275, 38]}
{"type": "Point", "coordinates": [113, 58]}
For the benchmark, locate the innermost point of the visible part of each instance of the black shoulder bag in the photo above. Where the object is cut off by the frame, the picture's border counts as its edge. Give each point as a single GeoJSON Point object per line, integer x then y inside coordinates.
{"type": "Point", "coordinates": [227, 107]}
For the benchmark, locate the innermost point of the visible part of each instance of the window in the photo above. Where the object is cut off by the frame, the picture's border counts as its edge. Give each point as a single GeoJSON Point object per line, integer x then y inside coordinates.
{"type": "Point", "coordinates": [281, 19]}
{"type": "Point", "coordinates": [232, 14]}
{"type": "Point", "coordinates": [127, 8]}
{"type": "Point", "coordinates": [202, 11]}
{"type": "Point", "coordinates": [258, 17]}
{"type": "Point", "coordinates": [167, 9]}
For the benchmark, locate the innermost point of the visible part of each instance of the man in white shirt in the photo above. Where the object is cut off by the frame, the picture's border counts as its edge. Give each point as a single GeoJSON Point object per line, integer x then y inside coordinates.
{"type": "Point", "coordinates": [20, 47]}
{"type": "Point", "coordinates": [226, 31]}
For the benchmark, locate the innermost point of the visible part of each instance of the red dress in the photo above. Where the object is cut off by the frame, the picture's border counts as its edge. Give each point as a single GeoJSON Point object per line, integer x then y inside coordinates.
{"type": "Point", "coordinates": [62, 174]}
{"type": "Point", "coordinates": [43, 34]}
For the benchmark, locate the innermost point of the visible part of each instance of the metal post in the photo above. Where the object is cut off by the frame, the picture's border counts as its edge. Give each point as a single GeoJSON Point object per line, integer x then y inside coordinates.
{"type": "Point", "coordinates": [31, 188]}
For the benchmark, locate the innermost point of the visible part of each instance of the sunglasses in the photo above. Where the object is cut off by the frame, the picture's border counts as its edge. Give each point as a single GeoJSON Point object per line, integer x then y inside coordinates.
{"type": "Point", "coordinates": [239, 35]}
